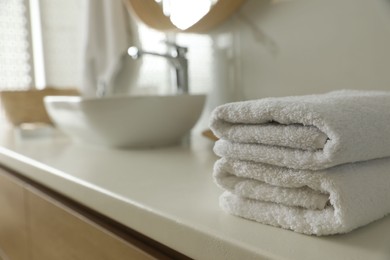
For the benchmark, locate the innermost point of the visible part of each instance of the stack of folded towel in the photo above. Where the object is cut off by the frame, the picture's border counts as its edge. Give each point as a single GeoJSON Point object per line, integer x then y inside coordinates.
{"type": "Point", "coordinates": [314, 164]}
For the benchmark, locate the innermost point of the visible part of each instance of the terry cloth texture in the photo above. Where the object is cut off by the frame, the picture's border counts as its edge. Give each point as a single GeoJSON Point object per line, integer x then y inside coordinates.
{"type": "Point", "coordinates": [316, 164]}
{"type": "Point", "coordinates": [335, 200]}
{"type": "Point", "coordinates": [305, 132]}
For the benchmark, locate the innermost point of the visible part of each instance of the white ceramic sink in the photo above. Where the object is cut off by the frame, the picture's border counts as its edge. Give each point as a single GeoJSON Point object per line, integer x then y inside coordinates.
{"type": "Point", "coordinates": [126, 121]}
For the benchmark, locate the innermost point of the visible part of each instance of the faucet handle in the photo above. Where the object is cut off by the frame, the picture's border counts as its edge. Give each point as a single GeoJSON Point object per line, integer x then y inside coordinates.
{"type": "Point", "coordinates": [181, 50]}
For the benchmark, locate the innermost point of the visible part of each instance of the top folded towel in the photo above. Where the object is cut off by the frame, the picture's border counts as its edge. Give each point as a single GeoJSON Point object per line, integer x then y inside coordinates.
{"type": "Point", "coordinates": [305, 132]}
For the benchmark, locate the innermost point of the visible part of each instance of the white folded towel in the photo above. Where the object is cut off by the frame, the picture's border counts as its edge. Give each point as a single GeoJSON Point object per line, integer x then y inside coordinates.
{"type": "Point", "coordinates": [335, 200]}
{"type": "Point", "coordinates": [305, 132]}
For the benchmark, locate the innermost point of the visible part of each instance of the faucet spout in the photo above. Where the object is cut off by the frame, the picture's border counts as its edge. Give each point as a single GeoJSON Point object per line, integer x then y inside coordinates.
{"type": "Point", "coordinates": [176, 57]}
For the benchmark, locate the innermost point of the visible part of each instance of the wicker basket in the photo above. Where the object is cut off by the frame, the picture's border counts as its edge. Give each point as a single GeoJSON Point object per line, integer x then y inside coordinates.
{"type": "Point", "coordinates": [27, 106]}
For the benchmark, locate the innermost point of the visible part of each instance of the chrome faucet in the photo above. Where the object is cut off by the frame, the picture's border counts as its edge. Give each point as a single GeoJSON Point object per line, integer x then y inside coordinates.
{"type": "Point", "coordinates": [176, 57]}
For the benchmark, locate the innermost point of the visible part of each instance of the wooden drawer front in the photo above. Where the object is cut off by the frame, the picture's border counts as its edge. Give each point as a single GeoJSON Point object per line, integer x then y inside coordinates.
{"type": "Point", "coordinates": [60, 233]}
{"type": "Point", "coordinates": [13, 228]}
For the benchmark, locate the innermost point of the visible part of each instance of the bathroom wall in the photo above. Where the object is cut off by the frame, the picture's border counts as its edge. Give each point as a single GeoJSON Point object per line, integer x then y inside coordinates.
{"type": "Point", "coordinates": [277, 48]}
{"type": "Point", "coordinates": [282, 47]}
{"type": "Point", "coordinates": [300, 47]}
{"type": "Point", "coordinates": [305, 46]}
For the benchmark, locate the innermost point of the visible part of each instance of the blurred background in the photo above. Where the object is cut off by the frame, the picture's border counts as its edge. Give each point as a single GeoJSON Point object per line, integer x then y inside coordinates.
{"type": "Point", "coordinates": [267, 48]}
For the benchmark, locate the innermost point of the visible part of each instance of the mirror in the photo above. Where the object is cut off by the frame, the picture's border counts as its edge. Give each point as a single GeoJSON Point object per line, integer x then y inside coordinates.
{"type": "Point", "coordinates": [183, 15]}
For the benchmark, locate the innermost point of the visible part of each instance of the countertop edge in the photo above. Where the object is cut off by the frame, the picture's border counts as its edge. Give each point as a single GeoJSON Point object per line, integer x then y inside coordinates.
{"type": "Point", "coordinates": [146, 221]}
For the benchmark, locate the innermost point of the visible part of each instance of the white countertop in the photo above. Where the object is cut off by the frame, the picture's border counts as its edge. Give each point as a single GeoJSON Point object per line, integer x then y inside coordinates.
{"type": "Point", "coordinates": [168, 195]}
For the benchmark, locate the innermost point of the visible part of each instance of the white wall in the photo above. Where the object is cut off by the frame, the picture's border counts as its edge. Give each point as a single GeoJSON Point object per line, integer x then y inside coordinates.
{"type": "Point", "coordinates": [311, 46]}
{"type": "Point", "coordinates": [277, 48]}
{"type": "Point", "coordinates": [314, 46]}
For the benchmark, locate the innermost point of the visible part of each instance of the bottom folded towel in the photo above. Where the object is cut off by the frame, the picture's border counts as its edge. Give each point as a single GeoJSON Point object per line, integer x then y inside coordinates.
{"type": "Point", "coordinates": [330, 201]}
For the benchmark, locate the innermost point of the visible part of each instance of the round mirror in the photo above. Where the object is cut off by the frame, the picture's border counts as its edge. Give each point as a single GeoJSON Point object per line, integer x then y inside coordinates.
{"type": "Point", "coordinates": [183, 15]}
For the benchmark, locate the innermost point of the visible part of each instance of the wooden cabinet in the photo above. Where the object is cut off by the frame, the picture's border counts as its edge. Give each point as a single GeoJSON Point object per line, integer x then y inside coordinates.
{"type": "Point", "coordinates": [60, 233]}
{"type": "Point", "coordinates": [38, 225]}
{"type": "Point", "coordinates": [13, 218]}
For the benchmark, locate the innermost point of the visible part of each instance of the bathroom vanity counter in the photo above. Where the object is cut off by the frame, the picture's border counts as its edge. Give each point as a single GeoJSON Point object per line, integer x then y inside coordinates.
{"type": "Point", "coordinates": [168, 195]}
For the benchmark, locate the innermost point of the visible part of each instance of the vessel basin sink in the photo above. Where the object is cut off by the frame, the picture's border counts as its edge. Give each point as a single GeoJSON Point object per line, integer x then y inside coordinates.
{"type": "Point", "coordinates": [126, 121]}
